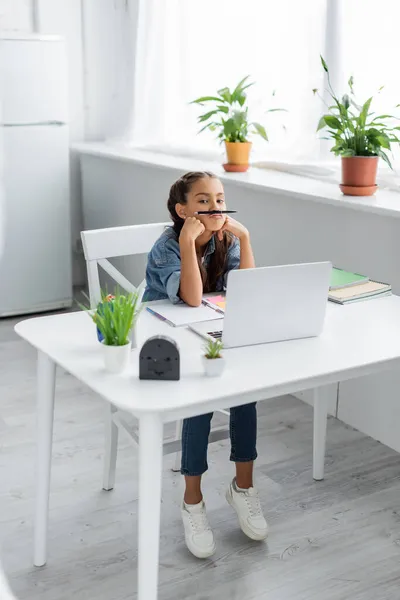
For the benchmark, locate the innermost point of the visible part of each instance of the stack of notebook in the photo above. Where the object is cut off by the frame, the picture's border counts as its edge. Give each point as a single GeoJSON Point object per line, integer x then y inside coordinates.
{"type": "Point", "coordinates": [349, 287]}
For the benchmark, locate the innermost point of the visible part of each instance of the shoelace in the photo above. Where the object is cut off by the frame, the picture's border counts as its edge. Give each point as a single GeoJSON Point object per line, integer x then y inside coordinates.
{"type": "Point", "coordinates": [199, 521]}
{"type": "Point", "coordinates": [254, 505]}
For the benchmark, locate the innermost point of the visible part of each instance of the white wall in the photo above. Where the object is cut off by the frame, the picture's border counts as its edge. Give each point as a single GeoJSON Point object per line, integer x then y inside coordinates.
{"type": "Point", "coordinates": [109, 35]}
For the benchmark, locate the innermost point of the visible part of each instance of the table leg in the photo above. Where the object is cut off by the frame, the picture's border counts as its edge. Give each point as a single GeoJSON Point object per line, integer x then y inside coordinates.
{"type": "Point", "coordinates": [150, 467]}
{"type": "Point", "coordinates": [178, 436]}
{"type": "Point", "coordinates": [320, 423]}
{"type": "Point", "coordinates": [46, 377]}
{"type": "Point", "coordinates": [111, 448]}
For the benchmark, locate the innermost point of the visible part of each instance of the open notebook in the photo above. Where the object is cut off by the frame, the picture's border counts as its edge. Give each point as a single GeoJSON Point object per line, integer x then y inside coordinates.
{"type": "Point", "coordinates": [181, 315]}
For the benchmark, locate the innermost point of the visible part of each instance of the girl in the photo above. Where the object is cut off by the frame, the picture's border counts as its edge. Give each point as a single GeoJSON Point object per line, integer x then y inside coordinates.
{"type": "Point", "coordinates": [190, 258]}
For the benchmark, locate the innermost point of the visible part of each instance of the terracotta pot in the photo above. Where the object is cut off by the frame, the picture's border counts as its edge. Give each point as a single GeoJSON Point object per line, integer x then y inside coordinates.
{"type": "Point", "coordinates": [359, 172]}
{"type": "Point", "coordinates": [361, 190]}
{"type": "Point", "coordinates": [235, 168]}
{"type": "Point", "coordinates": [238, 153]}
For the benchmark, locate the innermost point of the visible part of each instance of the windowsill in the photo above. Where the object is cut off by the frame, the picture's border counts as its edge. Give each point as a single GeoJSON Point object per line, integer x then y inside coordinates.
{"type": "Point", "coordinates": [385, 202]}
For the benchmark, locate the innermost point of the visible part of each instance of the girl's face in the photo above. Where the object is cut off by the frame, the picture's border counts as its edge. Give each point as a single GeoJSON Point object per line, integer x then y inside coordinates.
{"type": "Point", "coordinates": [206, 194]}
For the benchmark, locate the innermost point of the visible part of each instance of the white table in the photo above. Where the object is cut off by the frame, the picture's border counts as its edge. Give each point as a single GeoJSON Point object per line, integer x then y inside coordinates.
{"type": "Point", "coordinates": [357, 340]}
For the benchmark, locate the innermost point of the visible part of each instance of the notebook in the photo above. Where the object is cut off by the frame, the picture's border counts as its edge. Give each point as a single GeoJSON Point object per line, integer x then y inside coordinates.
{"type": "Point", "coordinates": [343, 279]}
{"type": "Point", "coordinates": [216, 302]}
{"type": "Point", "coordinates": [362, 291]}
{"type": "Point", "coordinates": [181, 315]}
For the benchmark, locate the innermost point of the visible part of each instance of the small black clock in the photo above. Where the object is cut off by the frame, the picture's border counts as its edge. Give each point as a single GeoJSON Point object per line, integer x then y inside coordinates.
{"type": "Point", "coordinates": [159, 359]}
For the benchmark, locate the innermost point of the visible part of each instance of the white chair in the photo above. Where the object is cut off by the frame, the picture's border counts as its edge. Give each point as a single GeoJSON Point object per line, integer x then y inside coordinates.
{"type": "Point", "coordinates": [98, 246]}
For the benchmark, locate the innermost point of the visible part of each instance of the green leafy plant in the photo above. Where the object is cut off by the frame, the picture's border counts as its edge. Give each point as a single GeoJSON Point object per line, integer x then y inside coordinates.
{"type": "Point", "coordinates": [228, 114]}
{"type": "Point", "coordinates": [213, 349]}
{"type": "Point", "coordinates": [115, 316]}
{"type": "Point", "coordinates": [356, 130]}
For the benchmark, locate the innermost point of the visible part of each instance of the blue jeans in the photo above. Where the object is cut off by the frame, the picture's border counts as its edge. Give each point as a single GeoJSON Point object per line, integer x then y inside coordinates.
{"type": "Point", "coordinates": [195, 432]}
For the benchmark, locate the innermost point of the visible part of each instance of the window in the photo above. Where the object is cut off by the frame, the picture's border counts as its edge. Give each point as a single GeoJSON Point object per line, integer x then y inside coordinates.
{"type": "Point", "coordinates": [189, 48]}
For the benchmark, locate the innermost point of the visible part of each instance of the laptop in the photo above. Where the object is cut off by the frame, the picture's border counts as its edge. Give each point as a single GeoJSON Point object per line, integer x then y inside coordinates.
{"type": "Point", "coordinates": [271, 304]}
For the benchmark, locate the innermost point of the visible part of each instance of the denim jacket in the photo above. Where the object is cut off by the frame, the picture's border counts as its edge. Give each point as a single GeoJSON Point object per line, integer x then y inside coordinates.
{"type": "Point", "coordinates": [163, 271]}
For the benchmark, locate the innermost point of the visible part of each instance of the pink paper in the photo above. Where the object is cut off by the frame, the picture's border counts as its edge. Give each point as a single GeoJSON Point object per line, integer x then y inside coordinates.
{"type": "Point", "coordinates": [218, 301]}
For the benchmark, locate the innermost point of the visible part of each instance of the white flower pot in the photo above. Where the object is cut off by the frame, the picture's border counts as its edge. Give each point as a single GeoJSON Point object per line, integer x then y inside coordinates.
{"type": "Point", "coordinates": [213, 367]}
{"type": "Point", "coordinates": [116, 358]}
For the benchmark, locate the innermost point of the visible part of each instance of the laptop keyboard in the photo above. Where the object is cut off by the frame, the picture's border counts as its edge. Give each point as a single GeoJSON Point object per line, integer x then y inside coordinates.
{"type": "Point", "coordinates": [215, 334]}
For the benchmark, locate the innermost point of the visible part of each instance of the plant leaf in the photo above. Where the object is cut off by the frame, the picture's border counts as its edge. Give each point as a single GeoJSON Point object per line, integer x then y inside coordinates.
{"type": "Point", "coordinates": [240, 86]}
{"type": "Point", "coordinates": [206, 116]}
{"type": "Point", "coordinates": [346, 101]}
{"type": "Point", "coordinates": [347, 152]}
{"type": "Point", "coordinates": [225, 94]}
{"type": "Point", "coordinates": [207, 126]}
{"type": "Point", "coordinates": [385, 157]}
{"type": "Point", "coordinates": [384, 141]}
{"type": "Point", "coordinates": [325, 66]}
{"type": "Point", "coordinates": [333, 122]}
{"type": "Point", "coordinates": [321, 123]}
{"type": "Point", "coordinates": [260, 129]}
{"type": "Point", "coordinates": [205, 99]}
{"type": "Point", "coordinates": [116, 317]}
{"type": "Point", "coordinates": [364, 112]}
{"type": "Point", "coordinates": [384, 117]}
{"type": "Point", "coordinates": [213, 349]}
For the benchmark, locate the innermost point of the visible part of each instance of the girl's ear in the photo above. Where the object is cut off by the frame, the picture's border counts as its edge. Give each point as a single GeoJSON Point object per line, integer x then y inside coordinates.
{"type": "Point", "coordinates": [180, 210]}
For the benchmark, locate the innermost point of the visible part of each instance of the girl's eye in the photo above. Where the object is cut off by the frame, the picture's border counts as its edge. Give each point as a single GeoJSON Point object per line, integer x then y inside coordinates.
{"type": "Point", "coordinates": [220, 200]}
{"type": "Point", "coordinates": [203, 201]}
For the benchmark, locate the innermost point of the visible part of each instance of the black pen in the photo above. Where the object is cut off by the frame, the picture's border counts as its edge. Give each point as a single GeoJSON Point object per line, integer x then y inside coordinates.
{"type": "Point", "coordinates": [215, 212]}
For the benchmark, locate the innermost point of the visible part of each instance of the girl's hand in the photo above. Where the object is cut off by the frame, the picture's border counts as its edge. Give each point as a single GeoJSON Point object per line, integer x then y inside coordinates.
{"type": "Point", "coordinates": [234, 227]}
{"type": "Point", "coordinates": [192, 229]}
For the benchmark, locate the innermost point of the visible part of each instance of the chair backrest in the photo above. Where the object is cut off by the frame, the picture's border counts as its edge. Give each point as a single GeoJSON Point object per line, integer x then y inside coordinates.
{"type": "Point", "coordinates": [101, 244]}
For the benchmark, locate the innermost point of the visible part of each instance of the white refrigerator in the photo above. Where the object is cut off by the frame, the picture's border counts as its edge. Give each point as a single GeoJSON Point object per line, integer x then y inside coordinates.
{"type": "Point", "coordinates": [35, 264]}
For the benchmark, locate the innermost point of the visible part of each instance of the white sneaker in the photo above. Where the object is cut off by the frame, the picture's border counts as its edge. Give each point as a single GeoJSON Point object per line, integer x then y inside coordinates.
{"type": "Point", "coordinates": [199, 537]}
{"type": "Point", "coordinates": [248, 509]}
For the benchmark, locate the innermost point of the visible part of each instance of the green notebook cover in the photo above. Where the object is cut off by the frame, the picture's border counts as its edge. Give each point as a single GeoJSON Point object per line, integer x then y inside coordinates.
{"type": "Point", "coordinates": [340, 279]}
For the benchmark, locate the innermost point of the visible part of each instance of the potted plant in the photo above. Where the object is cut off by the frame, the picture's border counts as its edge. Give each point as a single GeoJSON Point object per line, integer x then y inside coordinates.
{"type": "Point", "coordinates": [213, 362]}
{"type": "Point", "coordinates": [360, 138]}
{"type": "Point", "coordinates": [115, 317]}
{"type": "Point", "coordinates": [228, 115]}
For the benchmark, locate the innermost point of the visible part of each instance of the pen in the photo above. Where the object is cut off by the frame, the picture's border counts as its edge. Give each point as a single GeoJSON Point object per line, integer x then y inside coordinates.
{"type": "Point", "coordinates": [213, 306]}
{"type": "Point", "coordinates": [215, 212]}
{"type": "Point", "coordinates": [160, 317]}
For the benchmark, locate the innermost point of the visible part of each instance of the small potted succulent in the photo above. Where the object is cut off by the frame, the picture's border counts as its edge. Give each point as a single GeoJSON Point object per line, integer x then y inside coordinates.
{"type": "Point", "coordinates": [213, 362]}
{"type": "Point", "coordinates": [360, 138]}
{"type": "Point", "coordinates": [115, 317]}
{"type": "Point", "coordinates": [228, 115]}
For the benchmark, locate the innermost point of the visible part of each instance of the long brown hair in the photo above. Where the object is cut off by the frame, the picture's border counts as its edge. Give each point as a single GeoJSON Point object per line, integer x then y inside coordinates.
{"type": "Point", "coordinates": [178, 195]}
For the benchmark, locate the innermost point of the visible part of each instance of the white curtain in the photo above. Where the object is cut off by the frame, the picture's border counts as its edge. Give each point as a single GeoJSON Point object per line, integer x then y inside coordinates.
{"type": "Point", "coordinates": [189, 48]}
